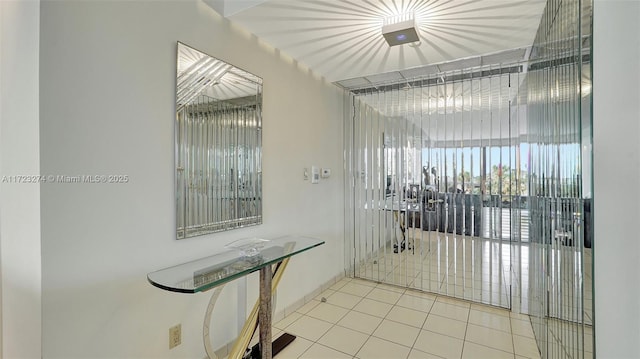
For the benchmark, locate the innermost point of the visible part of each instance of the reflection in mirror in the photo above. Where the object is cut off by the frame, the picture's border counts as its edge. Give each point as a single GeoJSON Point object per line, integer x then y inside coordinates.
{"type": "Point", "coordinates": [218, 145]}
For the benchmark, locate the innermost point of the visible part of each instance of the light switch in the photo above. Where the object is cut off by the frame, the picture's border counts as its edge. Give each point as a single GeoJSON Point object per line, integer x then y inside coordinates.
{"type": "Point", "coordinates": [315, 174]}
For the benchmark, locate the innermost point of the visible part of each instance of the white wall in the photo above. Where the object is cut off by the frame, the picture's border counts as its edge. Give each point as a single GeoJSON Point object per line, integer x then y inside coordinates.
{"type": "Point", "coordinates": [20, 290]}
{"type": "Point", "coordinates": [107, 78]}
{"type": "Point", "coordinates": [616, 135]}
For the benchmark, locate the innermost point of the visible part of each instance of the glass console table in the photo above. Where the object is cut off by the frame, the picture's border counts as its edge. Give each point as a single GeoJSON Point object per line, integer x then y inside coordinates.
{"type": "Point", "coordinates": [214, 271]}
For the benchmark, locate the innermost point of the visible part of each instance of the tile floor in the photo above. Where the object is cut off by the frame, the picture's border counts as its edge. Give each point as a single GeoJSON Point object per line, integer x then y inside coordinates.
{"type": "Point", "coordinates": [470, 268]}
{"type": "Point", "coordinates": [365, 320]}
{"type": "Point", "coordinates": [477, 269]}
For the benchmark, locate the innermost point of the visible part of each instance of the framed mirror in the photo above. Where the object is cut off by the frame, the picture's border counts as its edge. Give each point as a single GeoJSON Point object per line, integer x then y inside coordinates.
{"type": "Point", "coordinates": [218, 145]}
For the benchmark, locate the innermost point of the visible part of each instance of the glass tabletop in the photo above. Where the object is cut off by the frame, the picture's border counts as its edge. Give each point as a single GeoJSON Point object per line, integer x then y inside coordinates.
{"type": "Point", "coordinates": [243, 257]}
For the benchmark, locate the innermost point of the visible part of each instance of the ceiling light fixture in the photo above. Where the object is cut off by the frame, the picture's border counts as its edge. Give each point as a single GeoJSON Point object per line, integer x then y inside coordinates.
{"type": "Point", "coordinates": [400, 29]}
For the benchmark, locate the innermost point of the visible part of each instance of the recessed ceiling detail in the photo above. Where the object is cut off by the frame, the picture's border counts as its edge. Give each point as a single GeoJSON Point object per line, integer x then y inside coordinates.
{"type": "Point", "coordinates": [342, 39]}
{"type": "Point", "coordinates": [513, 57]}
{"type": "Point", "coordinates": [230, 7]}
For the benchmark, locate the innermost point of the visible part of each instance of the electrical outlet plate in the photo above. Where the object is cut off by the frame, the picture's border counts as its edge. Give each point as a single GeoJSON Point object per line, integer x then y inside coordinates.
{"type": "Point", "coordinates": [175, 336]}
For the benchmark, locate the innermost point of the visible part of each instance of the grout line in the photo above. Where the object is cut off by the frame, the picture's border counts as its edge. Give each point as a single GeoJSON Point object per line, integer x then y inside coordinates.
{"type": "Point", "coordinates": [464, 341]}
{"type": "Point", "coordinates": [421, 328]}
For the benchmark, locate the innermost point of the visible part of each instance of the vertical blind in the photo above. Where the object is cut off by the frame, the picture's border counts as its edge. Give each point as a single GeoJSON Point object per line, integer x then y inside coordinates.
{"type": "Point", "coordinates": [218, 164]}
{"type": "Point", "coordinates": [435, 182]}
{"type": "Point", "coordinates": [559, 97]}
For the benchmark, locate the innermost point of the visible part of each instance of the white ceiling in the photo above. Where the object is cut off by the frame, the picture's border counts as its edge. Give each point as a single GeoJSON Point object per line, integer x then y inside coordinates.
{"type": "Point", "coordinates": [341, 39]}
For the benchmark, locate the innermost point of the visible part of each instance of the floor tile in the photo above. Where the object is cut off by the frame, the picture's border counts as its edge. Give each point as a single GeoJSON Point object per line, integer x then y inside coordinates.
{"type": "Point", "coordinates": [356, 289]}
{"type": "Point", "coordinates": [522, 328]}
{"type": "Point", "coordinates": [399, 279]}
{"type": "Point", "coordinates": [490, 309]}
{"type": "Point", "coordinates": [373, 307]}
{"type": "Point", "coordinates": [493, 338]}
{"type": "Point", "coordinates": [447, 326]}
{"type": "Point", "coordinates": [361, 322]}
{"type": "Point", "coordinates": [426, 285]}
{"type": "Point", "coordinates": [417, 354]}
{"type": "Point", "coordinates": [376, 348]}
{"type": "Point", "coordinates": [383, 295]}
{"type": "Point", "coordinates": [309, 328]}
{"type": "Point", "coordinates": [588, 339]}
{"type": "Point", "coordinates": [319, 351]}
{"type": "Point", "coordinates": [450, 311]}
{"type": "Point", "coordinates": [477, 351]}
{"type": "Point", "coordinates": [391, 288]}
{"type": "Point", "coordinates": [328, 312]}
{"type": "Point", "coordinates": [287, 320]}
{"type": "Point", "coordinates": [459, 303]}
{"type": "Point", "coordinates": [364, 282]}
{"type": "Point", "coordinates": [295, 349]}
{"type": "Point", "coordinates": [397, 332]}
{"type": "Point", "coordinates": [326, 294]}
{"type": "Point", "coordinates": [307, 307]}
{"type": "Point", "coordinates": [441, 345]}
{"type": "Point", "coordinates": [415, 303]}
{"type": "Point", "coordinates": [525, 347]}
{"type": "Point", "coordinates": [343, 339]}
{"type": "Point", "coordinates": [518, 316]}
{"type": "Point", "coordinates": [414, 318]}
{"type": "Point", "coordinates": [368, 325]}
{"type": "Point", "coordinates": [490, 320]}
{"type": "Point", "coordinates": [341, 283]}
{"type": "Point", "coordinates": [344, 300]}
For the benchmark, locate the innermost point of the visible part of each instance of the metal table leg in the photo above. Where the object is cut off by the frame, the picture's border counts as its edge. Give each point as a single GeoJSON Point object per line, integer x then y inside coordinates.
{"type": "Point", "coordinates": [264, 313]}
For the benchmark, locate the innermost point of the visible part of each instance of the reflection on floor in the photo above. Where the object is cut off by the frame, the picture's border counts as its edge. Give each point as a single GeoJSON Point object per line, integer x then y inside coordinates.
{"type": "Point", "coordinates": [494, 272]}
{"type": "Point", "coordinates": [564, 328]}
{"type": "Point", "coordinates": [362, 319]}
{"type": "Point", "coordinates": [458, 266]}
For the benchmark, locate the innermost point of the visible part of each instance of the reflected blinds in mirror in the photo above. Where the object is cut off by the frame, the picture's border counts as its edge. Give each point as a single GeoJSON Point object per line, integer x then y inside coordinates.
{"type": "Point", "coordinates": [559, 96]}
{"type": "Point", "coordinates": [203, 73]}
{"type": "Point", "coordinates": [476, 183]}
{"type": "Point", "coordinates": [218, 176]}
{"type": "Point", "coordinates": [436, 184]}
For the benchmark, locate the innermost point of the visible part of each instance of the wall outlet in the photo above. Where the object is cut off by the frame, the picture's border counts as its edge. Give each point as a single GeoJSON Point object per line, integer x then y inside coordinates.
{"type": "Point", "coordinates": [175, 336]}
